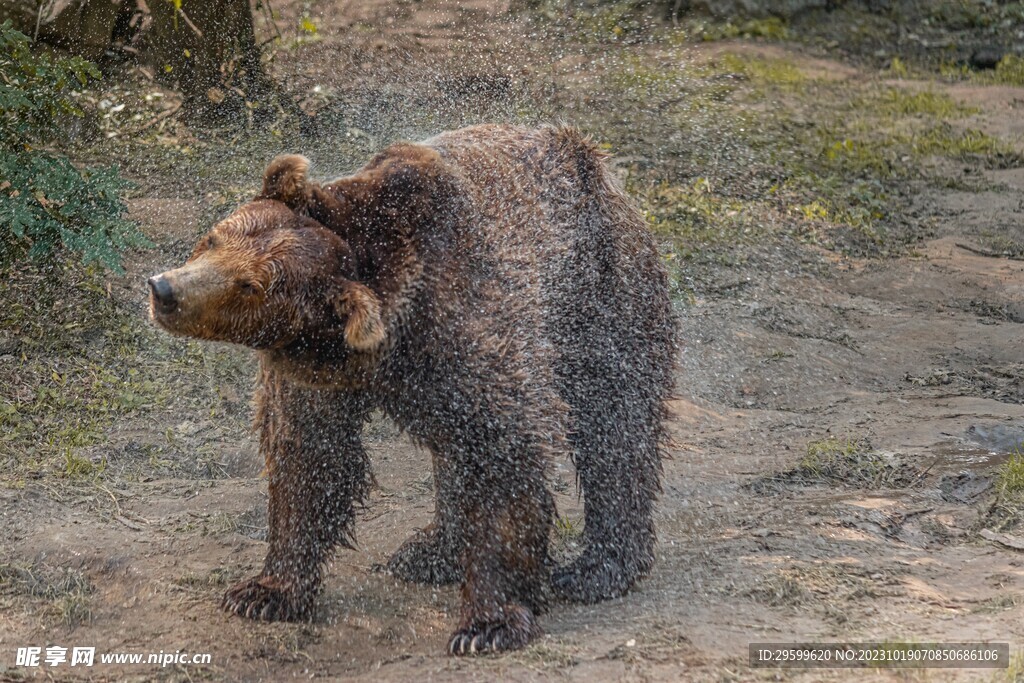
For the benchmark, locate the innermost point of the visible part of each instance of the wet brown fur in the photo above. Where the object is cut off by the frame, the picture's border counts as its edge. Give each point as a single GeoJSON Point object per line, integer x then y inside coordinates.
{"type": "Point", "coordinates": [496, 294]}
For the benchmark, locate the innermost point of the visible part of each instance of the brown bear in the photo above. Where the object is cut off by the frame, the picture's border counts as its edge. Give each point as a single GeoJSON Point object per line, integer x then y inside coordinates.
{"type": "Point", "coordinates": [495, 293]}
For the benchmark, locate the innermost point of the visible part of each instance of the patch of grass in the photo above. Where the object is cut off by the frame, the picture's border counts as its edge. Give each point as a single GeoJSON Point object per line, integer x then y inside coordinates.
{"type": "Point", "coordinates": [780, 590]}
{"type": "Point", "coordinates": [545, 656]}
{"type": "Point", "coordinates": [603, 22]}
{"type": "Point", "coordinates": [1009, 71]}
{"type": "Point", "coordinates": [770, 28]}
{"type": "Point", "coordinates": [831, 448]}
{"type": "Point", "coordinates": [58, 405]}
{"type": "Point", "coordinates": [1002, 244]}
{"type": "Point", "coordinates": [219, 523]}
{"type": "Point", "coordinates": [846, 462]}
{"type": "Point", "coordinates": [851, 462]}
{"type": "Point", "coordinates": [683, 89]}
{"type": "Point", "coordinates": [70, 609]}
{"type": "Point", "coordinates": [841, 160]}
{"type": "Point", "coordinates": [77, 364]}
{"type": "Point", "coordinates": [765, 71]}
{"type": "Point", "coordinates": [611, 21]}
{"type": "Point", "coordinates": [1014, 673]}
{"type": "Point", "coordinates": [568, 529]}
{"type": "Point", "coordinates": [897, 68]}
{"type": "Point", "coordinates": [1010, 477]}
{"type": "Point", "coordinates": [638, 77]}
{"type": "Point", "coordinates": [694, 213]}
{"type": "Point", "coordinates": [566, 537]}
{"type": "Point", "coordinates": [999, 603]}
{"type": "Point", "coordinates": [943, 140]}
{"type": "Point", "coordinates": [850, 157]}
{"type": "Point", "coordinates": [659, 641]}
{"type": "Point", "coordinates": [825, 455]}
{"type": "Point", "coordinates": [1007, 508]}
{"type": "Point", "coordinates": [883, 132]}
{"type": "Point", "coordinates": [832, 585]}
{"type": "Point", "coordinates": [62, 595]}
{"type": "Point", "coordinates": [695, 221]}
{"type": "Point", "coordinates": [75, 466]}
{"type": "Point", "coordinates": [761, 149]}
{"type": "Point", "coordinates": [904, 102]}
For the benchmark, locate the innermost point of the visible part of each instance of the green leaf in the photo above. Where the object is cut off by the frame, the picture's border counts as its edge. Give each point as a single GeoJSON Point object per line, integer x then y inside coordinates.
{"type": "Point", "coordinates": [46, 202]}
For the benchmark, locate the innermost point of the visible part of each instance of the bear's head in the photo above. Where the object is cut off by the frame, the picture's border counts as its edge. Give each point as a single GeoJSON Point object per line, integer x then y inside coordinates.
{"type": "Point", "coordinates": [267, 276]}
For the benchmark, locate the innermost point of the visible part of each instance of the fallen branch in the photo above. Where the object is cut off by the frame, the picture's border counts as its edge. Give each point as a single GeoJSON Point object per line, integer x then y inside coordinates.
{"type": "Point", "coordinates": [134, 526]}
{"type": "Point", "coordinates": [1005, 540]}
{"type": "Point", "coordinates": [188, 21]}
{"type": "Point", "coordinates": [981, 252]}
{"type": "Point", "coordinates": [161, 116]}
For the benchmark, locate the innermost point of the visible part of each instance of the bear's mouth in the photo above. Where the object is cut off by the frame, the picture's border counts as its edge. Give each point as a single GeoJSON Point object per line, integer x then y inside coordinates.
{"type": "Point", "coordinates": [168, 320]}
{"type": "Point", "coordinates": [161, 317]}
{"type": "Point", "coordinates": [161, 311]}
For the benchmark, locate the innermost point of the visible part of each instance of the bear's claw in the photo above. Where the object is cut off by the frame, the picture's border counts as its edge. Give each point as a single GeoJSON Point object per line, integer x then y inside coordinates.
{"type": "Point", "coordinates": [260, 599]}
{"type": "Point", "coordinates": [513, 632]}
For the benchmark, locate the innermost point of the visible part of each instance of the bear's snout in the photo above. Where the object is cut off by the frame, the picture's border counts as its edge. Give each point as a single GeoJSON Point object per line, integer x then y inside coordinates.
{"type": "Point", "coordinates": [162, 294]}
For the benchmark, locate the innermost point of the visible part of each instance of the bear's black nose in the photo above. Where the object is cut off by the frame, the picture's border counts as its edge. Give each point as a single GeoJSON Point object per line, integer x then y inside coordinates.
{"type": "Point", "coordinates": [163, 295]}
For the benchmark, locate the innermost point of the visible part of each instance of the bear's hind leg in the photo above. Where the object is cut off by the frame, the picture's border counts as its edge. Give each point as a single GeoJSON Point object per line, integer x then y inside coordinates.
{"type": "Point", "coordinates": [431, 556]}
{"type": "Point", "coordinates": [619, 475]}
{"type": "Point", "coordinates": [615, 335]}
{"type": "Point", "coordinates": [318, 472]}
{"type": "Point", "coordinates": [428, 557]}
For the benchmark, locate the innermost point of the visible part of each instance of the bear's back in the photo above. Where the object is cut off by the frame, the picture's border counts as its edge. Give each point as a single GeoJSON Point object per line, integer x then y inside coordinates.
{"type": "Point", "coordinates": [563, 244]}
{"type": "Point", "coordinates": [516, 178]}
{"type": "Point", "coordinates": [527, 199]}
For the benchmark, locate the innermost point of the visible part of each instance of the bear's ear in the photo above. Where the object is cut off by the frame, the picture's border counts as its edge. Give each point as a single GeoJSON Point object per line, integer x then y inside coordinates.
{"type": "Point", "coordinates": [286, 180]}
{"type": "Point", "coordinates": [364, 328]}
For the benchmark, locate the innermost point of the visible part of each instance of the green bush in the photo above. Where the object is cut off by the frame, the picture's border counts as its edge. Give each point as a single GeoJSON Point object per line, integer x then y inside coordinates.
{"type": "Point", "coordinates": [47, 203]}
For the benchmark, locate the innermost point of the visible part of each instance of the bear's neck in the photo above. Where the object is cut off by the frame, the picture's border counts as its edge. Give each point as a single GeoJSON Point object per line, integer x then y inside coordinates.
{"type": "Point", "coordinates": [323, 360]}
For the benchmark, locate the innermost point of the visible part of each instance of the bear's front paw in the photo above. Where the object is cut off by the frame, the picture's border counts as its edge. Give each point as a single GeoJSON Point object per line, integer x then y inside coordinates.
{"type": "Point", "coordinates": [428, 558]}
{"type": "Point", "coordinates": [513, 631]}
{"type": "Point", "coordinates": [268, 598]}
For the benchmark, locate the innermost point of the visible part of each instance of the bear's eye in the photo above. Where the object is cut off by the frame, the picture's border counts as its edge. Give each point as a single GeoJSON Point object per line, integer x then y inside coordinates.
{"type": "Point", "coordinates": [211, 242]}
{"type": "Point", "coordinates": [247, 286]}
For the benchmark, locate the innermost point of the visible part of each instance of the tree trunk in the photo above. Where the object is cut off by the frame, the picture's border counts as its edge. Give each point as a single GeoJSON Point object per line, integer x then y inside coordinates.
{"type": "Point", "coordinates": [208, 48]}
{"type": "Point", "coordinates": [205, 48]}
{"type": "Point", "coordinates": [82, 27]}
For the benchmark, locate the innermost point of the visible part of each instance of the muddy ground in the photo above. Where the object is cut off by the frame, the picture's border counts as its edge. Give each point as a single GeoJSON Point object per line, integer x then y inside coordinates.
{"type": "Point", "coordinates": [847, 254]}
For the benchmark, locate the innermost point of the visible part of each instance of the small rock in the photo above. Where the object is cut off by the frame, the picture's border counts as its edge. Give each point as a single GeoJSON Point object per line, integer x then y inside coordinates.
{"type": "Point", "coordinates": [986, 57]}
{"type": "Point", "coordinates": [997, 438]}
{"type": "Point", "coordinates": [8, 345]}
{"type": "Point", "coordinates": [964, 487]}
{"type": "Point", "coordinates": [187, 428]}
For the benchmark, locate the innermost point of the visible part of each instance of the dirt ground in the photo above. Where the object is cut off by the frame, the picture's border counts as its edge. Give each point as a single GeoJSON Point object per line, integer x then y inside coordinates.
{"type": "Point", "coordinates": [902, 361]}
